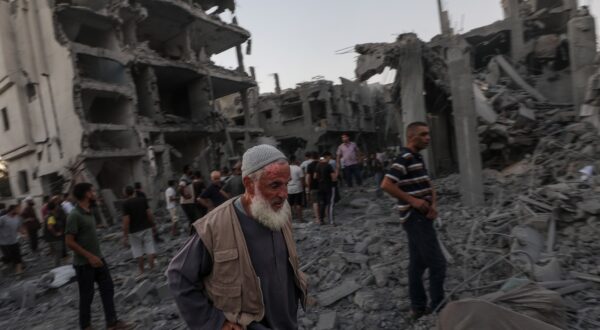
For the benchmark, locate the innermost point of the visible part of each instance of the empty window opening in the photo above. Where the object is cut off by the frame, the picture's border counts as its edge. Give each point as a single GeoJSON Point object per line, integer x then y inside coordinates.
{"type": "Point", "coordinates": [174, 93]}
{"type": "Point", "coordinates": [5, 121]}
{"type": "Point", "coordinates": [31, 92]}
{"type": "Point", "coordinates": [52, 184]}
{"type": "Point", "coordinates": [94, 31]}
{"type": "Point", "coordinates": [355, 110]}
{"type": "Point", "coordinates": [367, 112]}
{"type": "Point", "coordinates": [113, 140]}
{"type": "Point", "coordinates": [239, 121]}
{"type": "Point", "coordinates": [115, 174]}
{"type": "Point", "coordinates": [165, 35]}
{"type": "Point", "coordinates": [106, 108]}
{"type": "Point", "coordinates": [23, 181]}
{"type": "Point", "coordinates": [292, 111]}
{"type": "Point", "coordinates": [145, 86]}
{"type": "Point", "coordinates": [101, 69]}
{"type": "Point", "coordinates": [318, 110]}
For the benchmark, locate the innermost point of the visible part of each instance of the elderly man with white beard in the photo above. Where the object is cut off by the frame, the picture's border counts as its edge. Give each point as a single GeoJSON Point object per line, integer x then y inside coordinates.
{"type": "Point", "coordinates": [240, 269]}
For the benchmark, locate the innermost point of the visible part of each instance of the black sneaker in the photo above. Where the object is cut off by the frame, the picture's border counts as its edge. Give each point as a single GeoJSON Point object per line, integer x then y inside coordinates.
{"type": "Point", "coordinates": [416, 314]}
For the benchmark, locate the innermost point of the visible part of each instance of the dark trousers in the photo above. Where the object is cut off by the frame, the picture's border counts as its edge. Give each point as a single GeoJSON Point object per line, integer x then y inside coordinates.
{"type": "Point", "coordinates": [86, 276]}
{"type": "Point", "coordinates": [326, 202]}
{"type": "Point", "coordinates": [191, 212]}
{"type": "Point", "coordinates": [424, 252]}
{"type": "Point", "coordinates": [352, 171]}
{"type": "Point", "coordinates": [33, 238]}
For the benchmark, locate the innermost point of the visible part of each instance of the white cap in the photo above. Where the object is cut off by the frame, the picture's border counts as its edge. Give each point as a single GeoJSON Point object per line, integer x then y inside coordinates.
{"type": "Point", "coordinates": [258, 157]}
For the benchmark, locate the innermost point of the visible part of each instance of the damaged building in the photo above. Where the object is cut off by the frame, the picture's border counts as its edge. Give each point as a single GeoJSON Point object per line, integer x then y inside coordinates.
{"type": "Point", "coordinates": [486, 92]}
{"type": "Point", "coordinates": [113, 92]}
{"type": "Point", "coordinates": [314, 114]}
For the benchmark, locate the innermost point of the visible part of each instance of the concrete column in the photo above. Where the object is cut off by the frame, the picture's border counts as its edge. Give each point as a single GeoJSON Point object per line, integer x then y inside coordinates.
{"type": "Point", "coordinates": [582, 52]}
{"type": "Point", "coordinates": [305, 107]}
{"type": "Point", "coordinates": [412, 94]}
{"type": "Point", "coordinates": [465, 123]}
{"type": "Point", "coordinates": [517, 39]}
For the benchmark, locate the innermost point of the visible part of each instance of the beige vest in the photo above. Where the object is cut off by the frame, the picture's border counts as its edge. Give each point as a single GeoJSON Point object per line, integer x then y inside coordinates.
{"type": "Point", "coordinates": [232, 285]}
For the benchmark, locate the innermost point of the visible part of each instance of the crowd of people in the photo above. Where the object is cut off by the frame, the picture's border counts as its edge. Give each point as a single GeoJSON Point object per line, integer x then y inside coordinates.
{"type": "Point", "coordinates": [266, 192]}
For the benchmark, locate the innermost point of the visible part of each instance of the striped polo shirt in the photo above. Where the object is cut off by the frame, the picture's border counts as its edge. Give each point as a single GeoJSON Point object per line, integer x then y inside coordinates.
{"type": "Point", "coordinates": [410, 174]}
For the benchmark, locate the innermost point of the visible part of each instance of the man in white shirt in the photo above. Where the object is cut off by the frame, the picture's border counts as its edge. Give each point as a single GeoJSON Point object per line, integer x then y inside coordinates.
{"type": "Point", "coordinates": [66, 204]}
{"type": "Point", "coordinates": [171, 199]}
{"type": "Point", "coordinates": [296, 188]}
{"type": "Point", "coordinates": [187, 199]}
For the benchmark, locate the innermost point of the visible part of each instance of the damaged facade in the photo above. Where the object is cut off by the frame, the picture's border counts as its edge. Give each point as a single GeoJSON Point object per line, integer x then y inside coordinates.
{"type": "Point", "coordinates": [313, 115]}
{"type": "Point", "coordinates": [484, 92]}
{"type": "Point", "coordinates": [113, 92]}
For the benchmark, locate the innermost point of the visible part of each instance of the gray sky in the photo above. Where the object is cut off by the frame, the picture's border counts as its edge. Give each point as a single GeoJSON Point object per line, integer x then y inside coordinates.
{"type": "Point", "coordinates": [299, 38]}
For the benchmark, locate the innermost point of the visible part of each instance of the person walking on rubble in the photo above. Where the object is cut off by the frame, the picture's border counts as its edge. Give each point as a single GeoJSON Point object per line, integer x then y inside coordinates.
{"type": "Point", "coordinates": [409, 182]}
{"type": "Point", "coordinates": [326, 176]}
{"type": "Point", "coordinates": [212, 196]}
{"type": "Point", "coordinates": [90, 266]}
{"type": "Point", "coordinates": [240, 269]}
{"type": "Point", "coordinates": [171, 202]}
{"type": "Point", "coordinates": [187, 198]}
{"type": "Point", "coordinates": [54, 232]}
{"type": "Point", "coordinates": [296, 189]}
{"type": "Point", "coordinates": [31, 223]}
{"type": "Point", "coordinates": [348, 160]}
{"type": "Point", "coordinates": [10, 226]}
{"type": "Point", "coordinates": [234, 186]}
{"type": "Point", "coordinates": [138, 228]}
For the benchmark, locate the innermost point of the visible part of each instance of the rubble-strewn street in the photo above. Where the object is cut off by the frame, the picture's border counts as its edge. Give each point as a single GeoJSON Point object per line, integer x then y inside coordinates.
{"type": "Point", "coordinates": [357, 269]}
{"type": "Point", "coordinates": [137, 100]}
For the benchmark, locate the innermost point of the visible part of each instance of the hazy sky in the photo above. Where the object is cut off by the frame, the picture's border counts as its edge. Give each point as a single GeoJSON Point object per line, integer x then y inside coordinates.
{"type": "Point", "coordinates": [299, 38]}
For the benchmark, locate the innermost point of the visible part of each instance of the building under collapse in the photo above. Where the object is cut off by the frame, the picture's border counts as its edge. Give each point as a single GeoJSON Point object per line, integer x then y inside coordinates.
{"type": "Point", "coordinates": [113, 92]}
{"type": "Point", "coordinates": [484, 91]}
{"type": "Point", "coordinates": [313, 115]}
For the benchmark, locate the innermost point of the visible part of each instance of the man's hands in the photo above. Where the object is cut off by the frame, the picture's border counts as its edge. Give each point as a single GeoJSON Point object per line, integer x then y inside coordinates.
{"type": "Point", "coordinates": [230, 326]}
{"type": "Point", "coordinates": [433, 213]}
{"type": "Point", "coordinates": [95, 261]}
{"type": "Point", "coordinates": [424, 207]}
{"type": "Point", "coordinates": [420, 204]}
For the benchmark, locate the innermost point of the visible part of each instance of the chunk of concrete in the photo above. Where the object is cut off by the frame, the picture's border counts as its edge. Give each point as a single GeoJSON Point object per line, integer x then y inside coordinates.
{"type": "Point", "coordinates": [140, 291]}
{"type": "Point", "coordinates": [360, 203]}
{"type": "Point", "coordinates": [23, 294]}
{"type": "Point", "coordinates": [330, 296]}
{"type": "Point", "coordinates": [327, 321]}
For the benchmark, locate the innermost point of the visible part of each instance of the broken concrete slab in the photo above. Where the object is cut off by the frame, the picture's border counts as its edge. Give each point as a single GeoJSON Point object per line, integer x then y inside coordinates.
{"type": "Point", "coordinates": [329, 297]}
{"type": "Point", "coordinates": [514, 75]}
{"type": "Point", "coordinates": [327, 321]}
{"type": "Point", "coordinates": [484, 109]}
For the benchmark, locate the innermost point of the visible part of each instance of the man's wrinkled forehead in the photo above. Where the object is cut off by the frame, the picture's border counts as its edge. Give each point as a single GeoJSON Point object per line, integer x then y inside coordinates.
{"type": "Point", "coordinates": [276, 171]}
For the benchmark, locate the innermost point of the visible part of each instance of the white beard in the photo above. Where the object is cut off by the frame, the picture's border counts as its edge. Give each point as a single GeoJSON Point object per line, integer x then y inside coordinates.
{"type": "Point", "coordinates": [262, 211]}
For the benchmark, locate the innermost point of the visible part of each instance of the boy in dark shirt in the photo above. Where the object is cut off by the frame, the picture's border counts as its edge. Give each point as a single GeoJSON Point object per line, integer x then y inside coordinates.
{"type": "Point", "coordinates": [138, 226]}
{"type": "Point", "coordinates": [313, 186]}
{"type": "Point", "coordinates": [326, 177]}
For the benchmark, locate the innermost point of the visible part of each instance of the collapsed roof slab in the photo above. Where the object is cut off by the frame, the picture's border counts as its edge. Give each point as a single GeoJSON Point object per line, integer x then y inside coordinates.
{"type": "Point", "coordinates": [169, 18]}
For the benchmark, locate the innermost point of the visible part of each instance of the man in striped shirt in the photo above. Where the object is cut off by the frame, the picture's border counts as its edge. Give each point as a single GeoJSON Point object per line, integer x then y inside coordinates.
{"type": "Point", "coordinates": [409, 182]}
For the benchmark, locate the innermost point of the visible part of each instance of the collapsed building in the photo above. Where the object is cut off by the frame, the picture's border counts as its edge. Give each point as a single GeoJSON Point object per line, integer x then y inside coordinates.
{"type": "Point", "coordinates": [114, 92]}
{"type": "Point", "coordinates": [314, 114]}
{"type": "Point", "coordinates": [484, 92]}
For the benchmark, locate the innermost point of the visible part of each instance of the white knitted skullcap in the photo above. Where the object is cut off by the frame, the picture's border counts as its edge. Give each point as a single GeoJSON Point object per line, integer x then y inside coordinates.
{"type": "Point", "coordinates": [258, 157]}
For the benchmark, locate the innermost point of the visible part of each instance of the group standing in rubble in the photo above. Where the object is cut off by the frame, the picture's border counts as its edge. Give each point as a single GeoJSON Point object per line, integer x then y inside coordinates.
{"type": "Point", "coordinates": [240, 233]}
